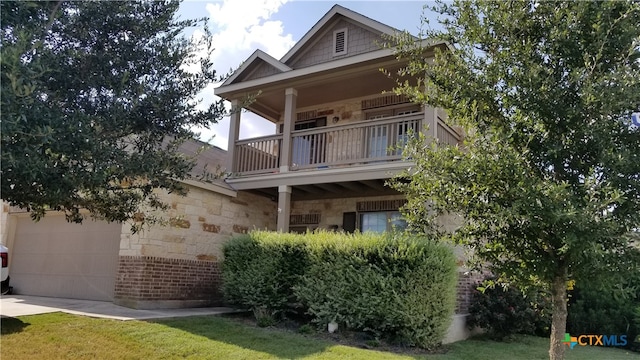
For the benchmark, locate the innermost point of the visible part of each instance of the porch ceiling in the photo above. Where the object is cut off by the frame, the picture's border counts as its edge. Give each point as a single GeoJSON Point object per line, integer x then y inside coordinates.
{"type": "Point", "coordinates": [343, 189]}
{"type": "Point", "coordinates": [330, 86]}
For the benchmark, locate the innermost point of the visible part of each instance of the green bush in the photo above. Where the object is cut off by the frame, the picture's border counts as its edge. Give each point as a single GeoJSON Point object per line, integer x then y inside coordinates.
{"type": "Point", "coordinates": [505, 311]}
{"type": "Point", "coordinates": [390, 286]}
{"type": "Point", "coordinates": [259, 271]}
{"type": "Point", "coordinates": [611, 308]}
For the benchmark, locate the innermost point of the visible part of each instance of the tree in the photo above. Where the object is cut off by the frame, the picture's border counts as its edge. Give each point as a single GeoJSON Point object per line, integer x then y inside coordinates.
{"type": "Point", "coordinates": [96, 98]}
{"type": "Point", "coordinates": [547, 182]}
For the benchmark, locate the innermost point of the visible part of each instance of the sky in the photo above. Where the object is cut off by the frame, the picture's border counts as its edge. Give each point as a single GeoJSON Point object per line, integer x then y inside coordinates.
{"type": "Point", "coordinates": [274, 26]}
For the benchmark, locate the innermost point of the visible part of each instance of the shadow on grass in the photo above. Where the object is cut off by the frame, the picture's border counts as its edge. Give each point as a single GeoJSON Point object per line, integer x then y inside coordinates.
{"type": "Point", "coordinates": [277, 342]}
{"type": "Point", "coordinates": [10, 325]}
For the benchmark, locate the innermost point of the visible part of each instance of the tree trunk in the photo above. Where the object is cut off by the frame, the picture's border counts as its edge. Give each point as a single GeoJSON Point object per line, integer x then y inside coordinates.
{"type": "Point", "coordinates": [559, 316]}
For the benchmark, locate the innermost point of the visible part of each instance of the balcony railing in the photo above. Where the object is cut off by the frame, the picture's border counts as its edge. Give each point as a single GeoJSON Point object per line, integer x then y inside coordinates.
{"type": "Point", "coordinates": [355, 143]}
{"type": "Point", "coordinates": [257, 155]}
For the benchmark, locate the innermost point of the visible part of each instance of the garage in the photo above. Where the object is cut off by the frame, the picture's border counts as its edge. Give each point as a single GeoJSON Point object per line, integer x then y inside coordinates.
{"type": "Point", "coordinates": [55, 258]}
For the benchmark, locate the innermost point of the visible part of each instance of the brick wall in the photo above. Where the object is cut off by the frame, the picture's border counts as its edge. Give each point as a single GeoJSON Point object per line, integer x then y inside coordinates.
{"type": "Point", "coordinates": [153, 282]}
{"type": "Point", "coordinates": [467, 282]}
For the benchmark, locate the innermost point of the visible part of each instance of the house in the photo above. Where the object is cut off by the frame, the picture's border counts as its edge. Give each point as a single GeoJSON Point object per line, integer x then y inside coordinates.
{"type": "Point", "coordinates": [338, 127]}
{"type": "Point", "coordinates": [177, 265]}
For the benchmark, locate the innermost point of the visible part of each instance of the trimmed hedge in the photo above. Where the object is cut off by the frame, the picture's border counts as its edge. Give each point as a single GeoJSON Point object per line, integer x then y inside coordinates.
{"type": "Point", "coordinates": [259, 270]}
{"type": "Point", "coordinates": [393, 286]}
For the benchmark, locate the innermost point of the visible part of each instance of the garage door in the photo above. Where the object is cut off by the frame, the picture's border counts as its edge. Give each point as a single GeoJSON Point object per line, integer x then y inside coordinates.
{"type": "Point", "coordinates": [55, 258]}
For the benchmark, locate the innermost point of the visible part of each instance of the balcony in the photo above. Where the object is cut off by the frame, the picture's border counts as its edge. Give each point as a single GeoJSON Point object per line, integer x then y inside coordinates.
{"type": "Point", "coordinates": [358, 143]}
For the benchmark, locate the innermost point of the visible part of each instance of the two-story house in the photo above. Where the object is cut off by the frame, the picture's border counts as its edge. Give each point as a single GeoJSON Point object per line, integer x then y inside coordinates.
{"type": "Point", "coordinates": [339, 130]}
{"type": "Point", "coordinates": [339, 127]}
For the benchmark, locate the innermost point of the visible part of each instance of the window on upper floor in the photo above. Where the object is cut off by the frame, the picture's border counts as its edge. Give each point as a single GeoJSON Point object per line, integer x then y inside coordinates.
{"type": "Point", "coordinates": [379, 142]}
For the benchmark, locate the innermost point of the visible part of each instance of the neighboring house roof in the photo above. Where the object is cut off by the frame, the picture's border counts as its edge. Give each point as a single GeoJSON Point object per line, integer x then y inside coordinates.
{"type": "Point", "coordinates": [209, 160]}
{"type": "Point", "coordinates": [260, 64]}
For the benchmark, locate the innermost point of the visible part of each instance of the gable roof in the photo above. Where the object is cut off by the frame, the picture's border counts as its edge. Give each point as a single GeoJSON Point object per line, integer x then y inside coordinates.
{"type": "Point", "coordinates": [255, 59]}
{"type": "Point", "coordinates": [334, 12]}
{"type": "Point", "coordinates": [261, 64]}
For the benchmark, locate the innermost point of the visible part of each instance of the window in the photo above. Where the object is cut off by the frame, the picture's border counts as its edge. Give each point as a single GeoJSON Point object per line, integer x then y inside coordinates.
{"type": "Point", "coordinates": [387, 112]}
{"type": "Point", "coordinates": [382, 221]}
{"type": "Point", "coordinates": [307, 149]}
{"type": "Point", "coordinates": [340, 42]}
{"type": "Point", "coordinates": [379, 143]}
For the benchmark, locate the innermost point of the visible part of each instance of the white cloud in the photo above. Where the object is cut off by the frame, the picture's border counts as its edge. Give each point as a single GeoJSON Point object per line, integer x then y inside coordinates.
{"type": "Point", "coordinates": [239, 28]}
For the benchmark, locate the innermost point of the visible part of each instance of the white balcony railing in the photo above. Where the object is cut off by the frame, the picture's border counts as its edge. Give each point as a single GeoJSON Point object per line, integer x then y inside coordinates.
{"type": "Point", "coordinates": [355, 143]}
{"type": "Point", "coordinates": [257, 155]}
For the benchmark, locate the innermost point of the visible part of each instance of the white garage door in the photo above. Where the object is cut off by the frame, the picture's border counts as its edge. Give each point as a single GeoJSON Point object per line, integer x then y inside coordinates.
{"type": "Point", "coordinates": [55, 258]}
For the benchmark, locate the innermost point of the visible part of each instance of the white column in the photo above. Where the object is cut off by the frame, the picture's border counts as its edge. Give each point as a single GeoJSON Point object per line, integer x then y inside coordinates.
{"type": "Point", "coordinates": [284, 208]}
{"type": "Point", "coordinates": [234, 133]}
{"type": "Point", "coordinates": [290, 97]}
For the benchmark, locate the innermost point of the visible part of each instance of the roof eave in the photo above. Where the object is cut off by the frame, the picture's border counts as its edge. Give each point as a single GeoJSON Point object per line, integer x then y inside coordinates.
{"type": "Point", "coordinates": [258, 54]}
{"type": "Point", "coordinates": [252, 85]}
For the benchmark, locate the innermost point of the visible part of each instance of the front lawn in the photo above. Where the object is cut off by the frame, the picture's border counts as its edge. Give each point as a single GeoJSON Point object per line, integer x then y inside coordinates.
{"type": "Point", "coordinates": [64, 336]}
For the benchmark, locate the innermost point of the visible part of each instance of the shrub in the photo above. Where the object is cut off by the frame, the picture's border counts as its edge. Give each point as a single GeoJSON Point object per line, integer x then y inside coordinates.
{"type": "Point", "coordinates": [607, 308]}
{"type": "Point", "coordinates": [259, 271]}
{"type": "Point", "coordinates": [504, 311]}
{"type": "Point", "coordinates": [389, 285]}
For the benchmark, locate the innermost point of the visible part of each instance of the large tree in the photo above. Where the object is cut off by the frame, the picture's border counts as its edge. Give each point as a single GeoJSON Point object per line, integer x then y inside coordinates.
{"type": "Point", "coordinates": [96, 97]}
{"type": "Point", "coordinates": [547, 182]}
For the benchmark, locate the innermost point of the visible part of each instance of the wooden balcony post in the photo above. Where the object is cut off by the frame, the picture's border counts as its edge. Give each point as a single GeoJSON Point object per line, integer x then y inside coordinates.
{"type": "Point", "coordinates": [431, 119]}
{"type": "Point", "coordinates": [290, 97]}
{"type": "Point", "coordinates": [234, 133]}
{"type": "Point", "coordinates": [284, 208]}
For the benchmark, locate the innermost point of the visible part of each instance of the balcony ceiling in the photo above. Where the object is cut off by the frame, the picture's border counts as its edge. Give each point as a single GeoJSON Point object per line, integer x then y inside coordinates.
{"type": "Point", "coordinates": [326, 87]}
{"type": "Point", "coordinates": [343, 189]}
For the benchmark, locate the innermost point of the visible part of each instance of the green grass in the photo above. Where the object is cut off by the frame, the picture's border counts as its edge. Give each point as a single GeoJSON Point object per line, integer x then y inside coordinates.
{"type": "Point", "coordinates": [64, 336]}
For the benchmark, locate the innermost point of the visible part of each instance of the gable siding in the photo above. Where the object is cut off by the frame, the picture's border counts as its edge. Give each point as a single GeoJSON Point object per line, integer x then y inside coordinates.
{"type": "Point", "coordinates": [359, 40]}
{"type": "Point", "coordinates": [262, 70]}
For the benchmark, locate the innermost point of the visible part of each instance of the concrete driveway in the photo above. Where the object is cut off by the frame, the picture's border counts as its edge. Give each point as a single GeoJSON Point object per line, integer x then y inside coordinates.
{"type": "Point", "coordinates": [19, 305]}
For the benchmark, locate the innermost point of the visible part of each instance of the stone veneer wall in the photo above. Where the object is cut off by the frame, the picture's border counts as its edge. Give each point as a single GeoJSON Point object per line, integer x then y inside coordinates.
{"type": "Point", "coordinates": [178, 265]}
{"type": "Point", "coordinates": [331, 210]}
{"type": "Point", "coordinates": [199, 224]}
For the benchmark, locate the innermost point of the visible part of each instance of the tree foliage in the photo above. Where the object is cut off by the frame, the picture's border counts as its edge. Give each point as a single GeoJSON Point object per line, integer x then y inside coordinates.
{"type": "Point", "coordinates": [96, 98]}
{"type": "Point", "coordinates": [547, 182]}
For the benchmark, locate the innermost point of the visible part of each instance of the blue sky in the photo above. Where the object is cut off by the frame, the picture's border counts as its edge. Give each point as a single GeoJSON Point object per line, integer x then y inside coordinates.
{"type": "Point", "coordinates": [274, 26]}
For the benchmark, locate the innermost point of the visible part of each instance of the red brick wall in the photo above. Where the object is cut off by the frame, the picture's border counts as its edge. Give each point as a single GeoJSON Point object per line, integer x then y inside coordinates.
{"type": "Point", "coordinates": [147, 279]}
{"type": "Point", "coordinates": [467, 283]}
